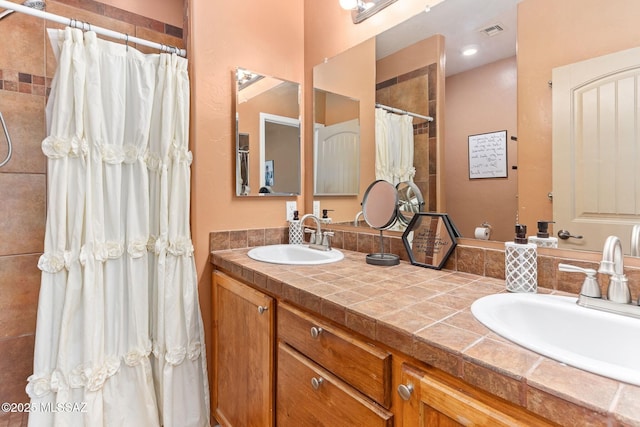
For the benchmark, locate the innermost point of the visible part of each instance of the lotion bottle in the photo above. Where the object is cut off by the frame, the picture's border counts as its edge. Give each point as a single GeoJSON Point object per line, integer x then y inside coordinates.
{"type": "Point", "coordinates": [521, 263]}
{"type": "Point", "coordinates": [542, 239]}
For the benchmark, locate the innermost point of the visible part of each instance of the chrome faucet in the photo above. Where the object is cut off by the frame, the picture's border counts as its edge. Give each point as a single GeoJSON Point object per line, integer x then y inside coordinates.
{"type": "Point", "coordinates": [613, 265]}
{"type": "Point", "coordinates": [318, 239]}
{"type": "Point", "coordinates": [618, 295]}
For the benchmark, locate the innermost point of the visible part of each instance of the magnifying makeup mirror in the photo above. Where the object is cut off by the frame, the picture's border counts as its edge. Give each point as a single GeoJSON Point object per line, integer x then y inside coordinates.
{"type": "Point", "coordinates": [379, 210]}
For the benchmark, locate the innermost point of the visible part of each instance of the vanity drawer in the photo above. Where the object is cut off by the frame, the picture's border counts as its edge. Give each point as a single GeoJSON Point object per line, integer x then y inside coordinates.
{"type": "Point", "coordinates": [308, 395]}
{"type": "Point", "coordinates": [364, 366]}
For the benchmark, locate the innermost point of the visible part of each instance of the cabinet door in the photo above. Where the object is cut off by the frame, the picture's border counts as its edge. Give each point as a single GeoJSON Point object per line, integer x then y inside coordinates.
{"type": "Point", "coordinates": [243, 354]}
{"type": "Point", "coordinates": [309, 395]}
{"type": "Point", "coordinates": [432, 398]}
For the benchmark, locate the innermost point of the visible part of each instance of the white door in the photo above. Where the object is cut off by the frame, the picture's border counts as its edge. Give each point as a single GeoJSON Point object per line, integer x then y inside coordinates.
{"type": "Point", "coordinates": [596, 149]}
{"type": "Point", "coordinates": [337, 159]}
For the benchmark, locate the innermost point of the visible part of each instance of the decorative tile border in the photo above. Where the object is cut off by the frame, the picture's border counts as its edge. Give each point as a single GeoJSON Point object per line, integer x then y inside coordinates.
{"type": "Point", "coordinates": [15, 81]}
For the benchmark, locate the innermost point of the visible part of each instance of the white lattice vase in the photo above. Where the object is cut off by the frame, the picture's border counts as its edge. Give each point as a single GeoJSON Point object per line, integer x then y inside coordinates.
{"type": "Point", "coordinates": [521, 267]}
{"type": "Point", "coordinates": [295, 232]}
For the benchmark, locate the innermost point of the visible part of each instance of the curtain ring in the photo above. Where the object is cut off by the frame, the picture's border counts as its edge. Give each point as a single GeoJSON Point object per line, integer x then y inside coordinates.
{"type": "Point", "coordinates": [126, 42]}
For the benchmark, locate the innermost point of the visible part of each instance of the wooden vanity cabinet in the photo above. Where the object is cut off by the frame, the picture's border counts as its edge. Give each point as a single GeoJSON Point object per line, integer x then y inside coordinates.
{"type": "Point", "coordinates": [243, 354]}
{"type": "Point", "coordinates": [327, 377]}
{"type": "Point", "coordinates": [324, 375]}
{"type": "Point", "coordinates": [433, 398]}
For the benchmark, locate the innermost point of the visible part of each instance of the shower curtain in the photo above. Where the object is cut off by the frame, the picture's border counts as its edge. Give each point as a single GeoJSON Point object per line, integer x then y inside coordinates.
{"type": "Point", "coordinates": [394, 147]}
{"type": "Point", "coordinates": [119, 336]}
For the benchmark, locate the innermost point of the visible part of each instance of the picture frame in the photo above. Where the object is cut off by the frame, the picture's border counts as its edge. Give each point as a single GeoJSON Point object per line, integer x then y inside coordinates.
{"type": "Point", "coordinates": [488, 155]}
{"type": "Point", "coordinates": [430, 239]}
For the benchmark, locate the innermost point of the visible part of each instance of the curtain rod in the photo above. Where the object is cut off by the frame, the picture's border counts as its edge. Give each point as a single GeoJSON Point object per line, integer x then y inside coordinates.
{"type": "Point", "coordinates": [409, 113]}
{"type": "Point", "coordinates": [87, 26]}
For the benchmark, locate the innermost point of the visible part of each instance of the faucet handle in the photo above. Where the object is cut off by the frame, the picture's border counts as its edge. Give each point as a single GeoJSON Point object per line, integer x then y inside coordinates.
{"type": "Point", "coordinates": [312, 233]}
{"type": "Point", "coordinates": [326, 238]}
{"type": "Point", "coordinates": [590, 286]}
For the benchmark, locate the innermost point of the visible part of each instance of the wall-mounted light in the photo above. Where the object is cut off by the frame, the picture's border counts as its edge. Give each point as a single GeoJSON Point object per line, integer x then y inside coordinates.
{"type": "Point", "coordinates": [348, 4]}
{"type": "Point", "coordinates": [361, 10]}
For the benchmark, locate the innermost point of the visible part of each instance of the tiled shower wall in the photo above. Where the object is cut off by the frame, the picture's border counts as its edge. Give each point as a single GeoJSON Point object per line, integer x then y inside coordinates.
{"type": "Point", "coordinates": [26, 68]}
{"type": "Point", "coordinates": [415, 91]}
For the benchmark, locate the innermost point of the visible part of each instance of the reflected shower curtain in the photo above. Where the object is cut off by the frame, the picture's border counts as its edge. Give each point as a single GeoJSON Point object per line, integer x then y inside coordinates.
{"type": "Point", "coordinates": [394, 147]}
{"type": "Point", "coordinates": [119, 336]}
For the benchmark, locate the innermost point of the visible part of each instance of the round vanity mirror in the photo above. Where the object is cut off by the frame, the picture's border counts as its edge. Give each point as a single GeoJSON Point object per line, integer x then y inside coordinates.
{"type": "Point", "coordinates": [379, 210]}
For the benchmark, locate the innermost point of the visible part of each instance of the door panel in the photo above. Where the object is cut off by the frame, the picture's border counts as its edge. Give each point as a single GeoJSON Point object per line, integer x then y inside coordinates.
{"type": "Point", "coordinates": [596, 149]}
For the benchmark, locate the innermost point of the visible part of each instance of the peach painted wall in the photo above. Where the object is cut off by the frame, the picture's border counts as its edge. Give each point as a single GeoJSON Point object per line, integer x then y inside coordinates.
{"type": "Point", "coordinates": [167, 11]}
{"type": "Point", "coordinates": [266, 37]}
{"type": "Point", "coordinates": [552, 33]}
{"type": "Point", "coordinates": [479, 101]}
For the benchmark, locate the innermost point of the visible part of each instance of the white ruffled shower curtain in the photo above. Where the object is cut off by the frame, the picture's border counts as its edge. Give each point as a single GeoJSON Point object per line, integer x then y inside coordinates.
{"type": "Point", "coordinates": [119, 336]}
{"type": "Point", "coordinates": [394, 147]}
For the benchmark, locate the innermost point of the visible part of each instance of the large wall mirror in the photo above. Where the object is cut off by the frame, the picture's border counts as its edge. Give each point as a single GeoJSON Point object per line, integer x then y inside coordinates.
{"type": "Point", "coordinates": [473, 86]}
{"type": "Point", "coordinates": [268, 154]}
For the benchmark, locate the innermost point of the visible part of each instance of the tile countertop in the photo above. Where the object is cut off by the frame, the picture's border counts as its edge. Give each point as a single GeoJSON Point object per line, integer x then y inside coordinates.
{"type": "Point", "coordinates": [425, 314]}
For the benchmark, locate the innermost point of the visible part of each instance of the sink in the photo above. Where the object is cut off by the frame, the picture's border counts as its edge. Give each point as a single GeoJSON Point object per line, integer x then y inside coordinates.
{"type": "Point", "coordinates": [555, 326]}
{"type": "Point", "coordinates": [294, 255]}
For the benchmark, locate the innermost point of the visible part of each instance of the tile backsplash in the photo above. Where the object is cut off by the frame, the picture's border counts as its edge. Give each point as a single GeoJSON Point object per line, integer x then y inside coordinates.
{"type": "Point", "coordinates": [479, 260]}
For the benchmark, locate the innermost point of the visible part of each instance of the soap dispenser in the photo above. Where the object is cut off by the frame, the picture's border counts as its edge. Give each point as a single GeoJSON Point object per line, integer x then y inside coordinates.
{"type": "Point", "coordinates": [542, 239]}
{"type": "Point", "coordinates": [521, 263]}
{"type": "Point", "coordinates": [295, 230]}
{"type": "Point", "coordinates": [325, 216]}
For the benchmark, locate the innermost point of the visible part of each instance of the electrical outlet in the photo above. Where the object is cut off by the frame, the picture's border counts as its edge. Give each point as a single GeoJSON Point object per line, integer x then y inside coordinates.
{"type": "Point", "coordinates": [291, 206]}
{"type": "Point", "coordinates": [316, 208]}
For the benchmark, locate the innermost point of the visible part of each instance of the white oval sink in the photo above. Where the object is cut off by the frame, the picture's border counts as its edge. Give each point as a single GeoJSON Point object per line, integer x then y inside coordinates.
{"type": "Point", "coordinates": [294, 255]}
{"type": "Point", "coordinates": [555, 326]}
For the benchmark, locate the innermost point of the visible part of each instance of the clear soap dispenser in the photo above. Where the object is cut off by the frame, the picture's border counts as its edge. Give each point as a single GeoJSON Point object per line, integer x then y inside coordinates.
{"type": "Point", "coordinates": [521, 263]}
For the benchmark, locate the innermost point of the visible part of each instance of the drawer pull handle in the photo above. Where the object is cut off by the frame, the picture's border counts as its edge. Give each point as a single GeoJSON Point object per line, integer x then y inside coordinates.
{"type": "Point", "coordinates": [316, 382]}
{"type": "Point", "coordinates": [315, 331]}
{"type": "Point", "coordinates": [405, 391]}
{"type": "Point", "coordinates": [262, 309]}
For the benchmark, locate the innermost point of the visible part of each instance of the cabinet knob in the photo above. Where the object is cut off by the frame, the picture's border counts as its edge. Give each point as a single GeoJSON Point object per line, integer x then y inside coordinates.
{"type": "Point", "coordinates": [262, 309]}
{"type": "Point", "coordinates": [316, 382]}
{"type": "Point", "coordinates": [315, 331]}
{"type": "Point", "coordinates": [405, 391]}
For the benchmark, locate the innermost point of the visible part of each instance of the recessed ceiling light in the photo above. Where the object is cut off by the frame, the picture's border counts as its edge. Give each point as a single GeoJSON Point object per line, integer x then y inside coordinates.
{"type": "Point", "coordinates": [469, 50]}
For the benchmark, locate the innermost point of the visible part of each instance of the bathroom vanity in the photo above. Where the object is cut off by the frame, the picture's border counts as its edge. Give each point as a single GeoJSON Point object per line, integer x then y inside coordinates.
{"type": "Point", "coordinates": [353, 344]}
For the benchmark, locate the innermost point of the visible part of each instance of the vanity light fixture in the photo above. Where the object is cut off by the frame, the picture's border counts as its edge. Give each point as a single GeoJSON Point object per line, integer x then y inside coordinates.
{"type": "Point", "coordinates": [363, 9]}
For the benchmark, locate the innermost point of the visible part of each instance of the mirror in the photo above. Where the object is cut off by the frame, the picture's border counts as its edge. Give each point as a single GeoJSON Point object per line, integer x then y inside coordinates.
{"type": "Point", "coordinates": [530, 169]}
{"type": "Point", "coordinates": [410, 202]}
{"type": "Point", "coordinates": [379, 210]}
{"type": "Point", "coordinates": [268, 154]}
{"type": "Point", "coordinates": [336, 144]}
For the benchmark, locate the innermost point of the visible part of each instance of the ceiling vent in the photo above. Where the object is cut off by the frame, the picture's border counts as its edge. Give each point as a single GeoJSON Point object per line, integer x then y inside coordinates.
{"type": "Point", "coordinates": [492, 30]}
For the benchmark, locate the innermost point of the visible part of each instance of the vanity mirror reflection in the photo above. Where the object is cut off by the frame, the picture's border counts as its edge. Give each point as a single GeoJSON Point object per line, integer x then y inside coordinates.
{"type": "Point", "coordinates": [268, 153]}
{"type": "Point", "coordinates": [529, 163]}
{"type": "Point", "coordinates": [336, 144]}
